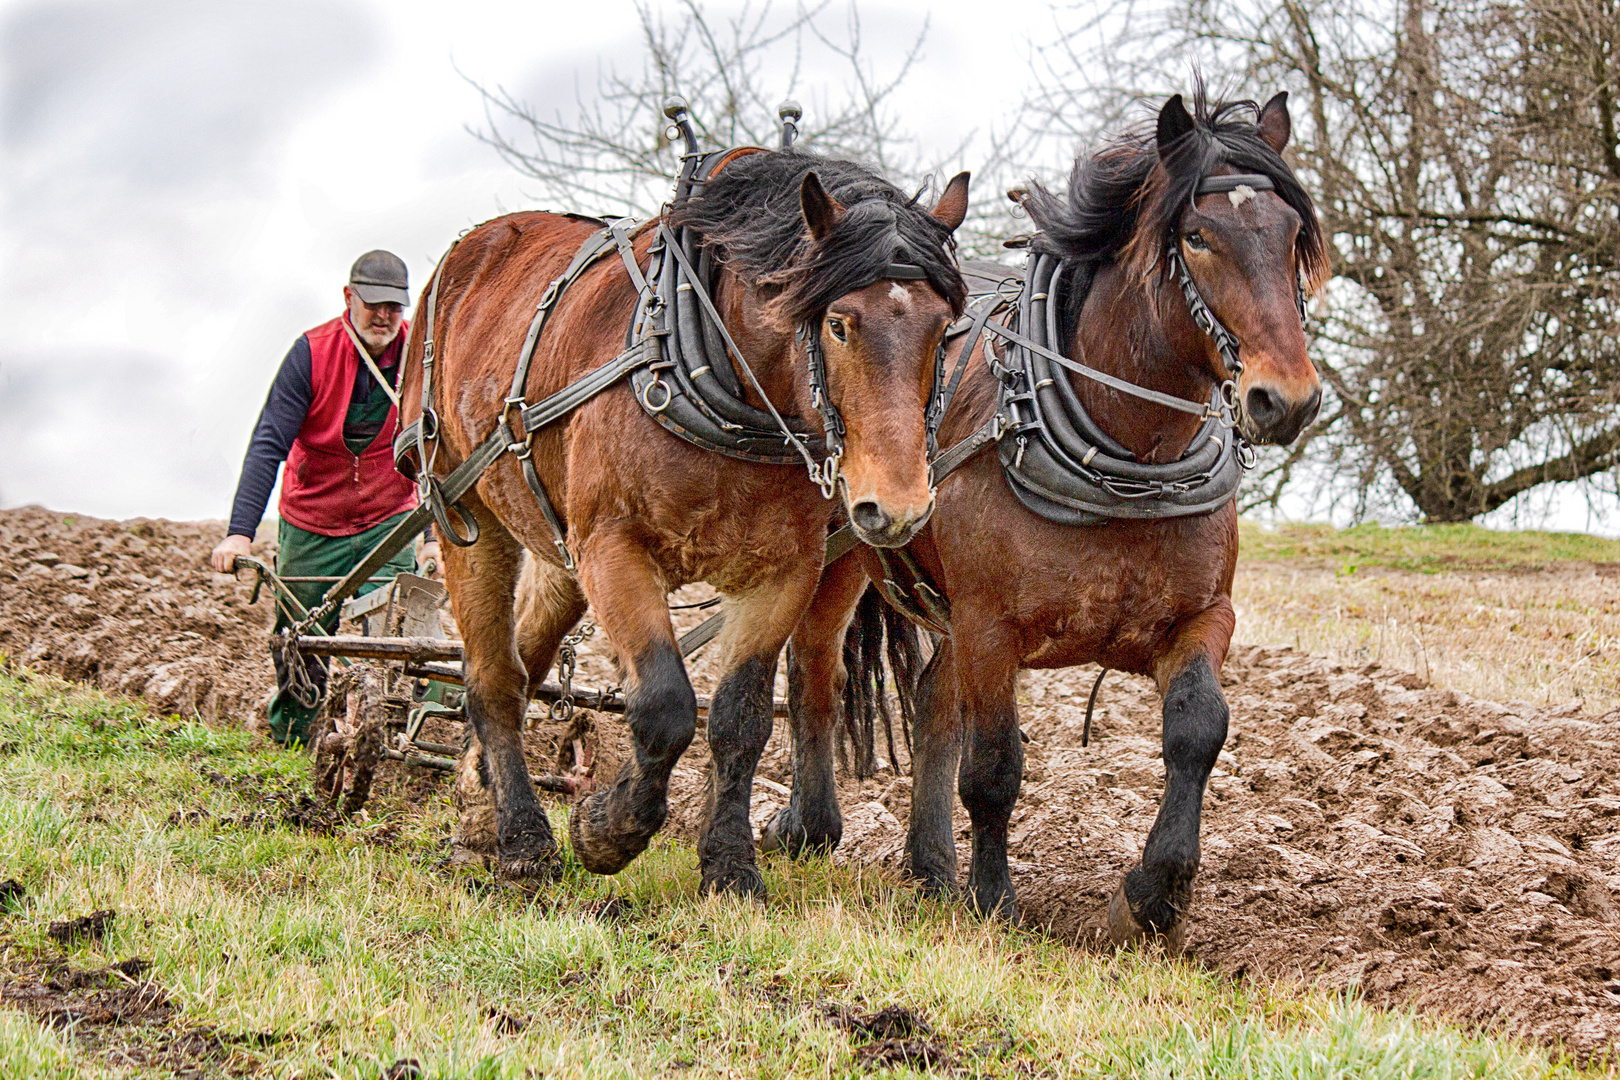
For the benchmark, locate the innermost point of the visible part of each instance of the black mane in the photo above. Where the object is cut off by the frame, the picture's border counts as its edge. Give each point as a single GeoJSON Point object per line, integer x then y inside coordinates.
{"type": "Point", "coordinates": [1120, 205]}
{"type": "Point", "coordinates": [750, 219]}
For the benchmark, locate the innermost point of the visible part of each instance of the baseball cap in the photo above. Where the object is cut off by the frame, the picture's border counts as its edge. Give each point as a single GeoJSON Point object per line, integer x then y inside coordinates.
{"type": "Point", "coordinates": [378, 277]}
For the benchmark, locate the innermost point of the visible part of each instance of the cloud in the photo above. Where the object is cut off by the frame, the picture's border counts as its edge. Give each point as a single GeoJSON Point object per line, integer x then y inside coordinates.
{"type": "Point", "coordinates": [167, 94]}
{"type": "Point", "coordinates": [112, 421]}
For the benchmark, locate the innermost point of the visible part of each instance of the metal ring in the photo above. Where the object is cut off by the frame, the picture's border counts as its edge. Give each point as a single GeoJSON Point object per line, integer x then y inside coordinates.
{"type": "Point", "coordinates": [646, 396]}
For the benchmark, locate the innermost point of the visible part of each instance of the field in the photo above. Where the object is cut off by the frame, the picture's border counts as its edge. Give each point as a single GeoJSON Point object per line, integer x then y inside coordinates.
{"type": "Point", "coordinates": [1387, 854]}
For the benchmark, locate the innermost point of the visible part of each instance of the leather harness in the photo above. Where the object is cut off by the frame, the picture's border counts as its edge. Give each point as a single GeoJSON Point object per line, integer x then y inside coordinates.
{"type": "Point", "coordinates": [1058, 462]}
{"type": "Point", "coordinates": [676, 332]}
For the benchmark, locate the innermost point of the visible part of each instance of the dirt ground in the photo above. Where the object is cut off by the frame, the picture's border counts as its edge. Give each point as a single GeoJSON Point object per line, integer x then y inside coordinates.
{"type": "Point", "coordinates": [1434, 849]}
{"type": "Point", "coordinates": [132, 607]}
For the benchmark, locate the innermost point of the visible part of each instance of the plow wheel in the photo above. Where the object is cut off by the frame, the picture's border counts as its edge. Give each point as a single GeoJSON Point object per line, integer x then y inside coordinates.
{"type": "Point", "coordinates": [349, 741]}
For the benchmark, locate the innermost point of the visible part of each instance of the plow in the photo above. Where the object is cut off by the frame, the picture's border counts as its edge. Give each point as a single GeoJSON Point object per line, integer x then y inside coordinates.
{"type": "Point", "coordinates": [395, 668]}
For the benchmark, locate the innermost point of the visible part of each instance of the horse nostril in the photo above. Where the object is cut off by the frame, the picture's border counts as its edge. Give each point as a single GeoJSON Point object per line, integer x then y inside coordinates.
{"type": "Point", "coordinates": [1312, 407]}
{"type": "Point", "coordinates": [1264, 407]}
{"type": "Point", "coordinates": [869, 517]}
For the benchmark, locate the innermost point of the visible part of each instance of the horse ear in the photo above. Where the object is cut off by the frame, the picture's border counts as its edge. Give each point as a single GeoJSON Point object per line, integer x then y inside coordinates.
{"type": "Point", "coordinates": [1275, 124]}
{"type": "Point", "coordinates": [1174, 122]}
{"type": "Point", "coordinates": [821, 210]}
{"type": "Point", "coordinates": [951, 210]}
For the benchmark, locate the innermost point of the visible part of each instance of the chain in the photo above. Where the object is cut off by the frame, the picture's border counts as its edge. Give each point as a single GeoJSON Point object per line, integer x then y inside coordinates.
{"type": "Point", "coordinates": [562, 709]}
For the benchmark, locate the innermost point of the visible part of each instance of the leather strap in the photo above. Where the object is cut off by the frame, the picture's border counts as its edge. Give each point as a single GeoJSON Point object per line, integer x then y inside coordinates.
{"type": "Point", "coordinates": [1216, 185]}
{"type": "Point", "coordinates": [371, 365]}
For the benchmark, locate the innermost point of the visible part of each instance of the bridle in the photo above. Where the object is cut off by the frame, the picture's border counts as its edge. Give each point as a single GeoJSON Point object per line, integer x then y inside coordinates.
{"type": "Point", "coordinates": [1058, 461]}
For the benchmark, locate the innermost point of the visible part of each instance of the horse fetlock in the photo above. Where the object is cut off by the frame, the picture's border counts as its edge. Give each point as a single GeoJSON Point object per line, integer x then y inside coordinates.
{"type": "Point", "coordinates": [608, 829]}
{"type": "Point", "coordinates": [528, 848]}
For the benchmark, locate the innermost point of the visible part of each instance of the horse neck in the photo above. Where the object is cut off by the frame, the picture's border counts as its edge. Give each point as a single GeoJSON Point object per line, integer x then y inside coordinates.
{"type": "Point", "coordinates": [1157, 346]}
{"type": "Point", "coordinates": [769, 350]}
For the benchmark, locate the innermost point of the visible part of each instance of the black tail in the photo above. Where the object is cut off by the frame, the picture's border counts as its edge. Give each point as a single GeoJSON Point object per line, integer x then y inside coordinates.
{"type": "Point", "coordinates": [877, 628]}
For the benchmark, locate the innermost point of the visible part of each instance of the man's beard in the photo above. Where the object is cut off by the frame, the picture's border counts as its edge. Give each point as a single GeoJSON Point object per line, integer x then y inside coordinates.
{"type": "Point", "coordinates": [376, 340]}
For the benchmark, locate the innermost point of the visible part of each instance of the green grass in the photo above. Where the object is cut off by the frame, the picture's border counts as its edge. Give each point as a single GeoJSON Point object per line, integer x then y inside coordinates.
{"type": "Point", "coordinates": [1423, 548]}
{"type": "Point", "coordinates": [343, 952]}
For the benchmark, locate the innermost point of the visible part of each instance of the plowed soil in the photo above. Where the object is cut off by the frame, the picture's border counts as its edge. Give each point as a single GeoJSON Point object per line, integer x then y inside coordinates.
{"type": "Point", "coordinates": [132, 607]}
{"type": "Point", "coordinates": [1436, 850]}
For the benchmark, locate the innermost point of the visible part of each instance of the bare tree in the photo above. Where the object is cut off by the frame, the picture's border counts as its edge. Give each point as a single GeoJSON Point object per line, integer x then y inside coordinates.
{"type": "Point", "coordinates": [1463, 153]}
{"type": "Point", "coordinates": [613, 152]}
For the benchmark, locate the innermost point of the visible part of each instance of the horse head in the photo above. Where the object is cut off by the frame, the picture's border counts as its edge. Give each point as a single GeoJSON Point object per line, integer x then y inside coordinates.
{"type": "Point", "coordinates": [1250, 251]}
{"type": "Point", "coordinates": [879, 341]}
{"type": "Point", "coordinates": [847, 291]}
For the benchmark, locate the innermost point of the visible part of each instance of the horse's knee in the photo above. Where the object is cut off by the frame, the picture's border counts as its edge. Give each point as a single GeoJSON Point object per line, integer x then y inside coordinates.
{"type": "Point", "coordinates": [991, 769]}
{"type": "Point", "coordinates": [740, 715]}
{"type": "Point", "coordinates": [1195, 720]}
{"type": "Point", "coordinates": [661, 708]}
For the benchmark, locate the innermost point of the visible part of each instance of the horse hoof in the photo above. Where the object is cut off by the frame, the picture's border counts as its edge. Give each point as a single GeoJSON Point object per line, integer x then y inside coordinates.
{"type": "Point", "coordinates": [783, 833]}
{"type": "Point", "coordinates": [545, 867]}
{"type": "Point", "coordinates": [738, 879]}
{"type": "Point", "coordinates": [998, 904]}
{"type": "Point", "coordinates": [1127, 932]}
{"type": "Point", "coordinates": [528, 850]}
{"type": "Point", "coordinates": [769, 837]}
{"type": "Point", "coordinates": [591, 836]}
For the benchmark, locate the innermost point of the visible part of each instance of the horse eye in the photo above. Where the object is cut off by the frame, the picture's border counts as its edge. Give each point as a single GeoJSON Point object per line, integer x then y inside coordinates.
{"type": "Point", "coordinates": [836, 328]}
{"type": "Point", "coordinates": [1196, 241]}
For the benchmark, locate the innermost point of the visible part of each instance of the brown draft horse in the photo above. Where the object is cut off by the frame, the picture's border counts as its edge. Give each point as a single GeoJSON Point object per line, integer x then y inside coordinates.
{"type": "Point", "coordinates": [795, 237]}
{"type": "Point", "coordinates": [1146, 596]}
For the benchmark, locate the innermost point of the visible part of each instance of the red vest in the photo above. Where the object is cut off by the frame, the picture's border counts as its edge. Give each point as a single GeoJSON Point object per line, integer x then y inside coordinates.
{"type": "Point", "coordinates": [325, 488]}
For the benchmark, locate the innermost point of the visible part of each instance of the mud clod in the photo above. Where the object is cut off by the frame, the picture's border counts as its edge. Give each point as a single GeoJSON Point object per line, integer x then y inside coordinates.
{"type": "Point", "coordinates": [403, 1069]}
{"type": "Point", "coordinates": [91, 927]}
{"type": "Point", "coordinates": [893, 1022]}
{"type": "Point", "coordinates": [895, 1053]}
{"type": "Point", "coordinates": [12, 895]}
{"type": "Point", "coordinates": [501, 1023]}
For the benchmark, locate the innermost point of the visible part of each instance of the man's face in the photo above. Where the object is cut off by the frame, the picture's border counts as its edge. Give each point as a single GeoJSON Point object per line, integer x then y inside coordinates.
{"type": "Point", "coordinates": [377, 324]}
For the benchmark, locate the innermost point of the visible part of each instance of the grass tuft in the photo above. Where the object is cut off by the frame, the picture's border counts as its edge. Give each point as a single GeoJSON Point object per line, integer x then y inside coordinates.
{"type": "Point", "coordinates": [317, 954]}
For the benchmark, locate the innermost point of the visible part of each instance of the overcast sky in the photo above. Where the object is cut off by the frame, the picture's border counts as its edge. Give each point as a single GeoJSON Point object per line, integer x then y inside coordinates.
{"type": "Point", "coordinates": [184, 184]}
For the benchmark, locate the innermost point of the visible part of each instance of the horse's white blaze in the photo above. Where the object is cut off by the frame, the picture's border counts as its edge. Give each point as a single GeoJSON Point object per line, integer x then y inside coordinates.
{"type": "Point", "coordinates": [899, 294]}
{"type": "Point", "coordinates": [1240, 194]}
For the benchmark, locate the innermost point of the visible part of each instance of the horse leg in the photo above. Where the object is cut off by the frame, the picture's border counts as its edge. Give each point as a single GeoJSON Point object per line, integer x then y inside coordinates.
{"type": "Point", "coordinates": [935, 754]}
{"type": "Point", "coordinates": [482, 581]}
{"type": "Point", "coordinates": [549, 604]}
{"type": "Point", "coordinates": [1154, 898]}
{"type": "Point", "coordinates": [612, 826]}
{"type": "Point", "coordinates": [811, 821]}
{"type": "Point", "coordinates": [992, 760]}
{"type": "Point", "coordinates": [740, 716]}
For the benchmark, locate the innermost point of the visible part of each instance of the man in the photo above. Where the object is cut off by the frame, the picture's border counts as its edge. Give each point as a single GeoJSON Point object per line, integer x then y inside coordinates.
{"type": "Point", "coordinates": [331, 415]}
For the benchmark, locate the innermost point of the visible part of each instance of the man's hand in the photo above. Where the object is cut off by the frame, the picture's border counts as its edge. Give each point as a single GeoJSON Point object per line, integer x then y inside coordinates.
{"type": "Point", "coordinates": [224, 556]}
{"type": "Point", "coordinates": [428, 560]}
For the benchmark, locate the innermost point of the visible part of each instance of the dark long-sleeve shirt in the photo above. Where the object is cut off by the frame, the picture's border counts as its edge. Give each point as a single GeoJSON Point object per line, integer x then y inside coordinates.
{"type": "Point", "coordinates": [283, 415]}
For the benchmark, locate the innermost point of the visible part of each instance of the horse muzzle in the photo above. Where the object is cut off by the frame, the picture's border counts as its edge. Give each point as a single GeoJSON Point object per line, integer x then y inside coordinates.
{"type": "Point", "coordinates": [1272, 416]}
{"type": "Point", "coordinates": [878, 527]}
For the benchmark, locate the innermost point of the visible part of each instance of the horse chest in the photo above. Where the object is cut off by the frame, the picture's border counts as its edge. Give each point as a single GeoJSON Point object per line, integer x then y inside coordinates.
{"type": "Point", "coordinates": [1116, 611]}
{"type": "Point", "coordinates": [739, 539]}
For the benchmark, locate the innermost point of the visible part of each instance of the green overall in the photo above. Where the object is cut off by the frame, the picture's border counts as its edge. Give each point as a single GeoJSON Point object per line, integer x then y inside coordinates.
{"type": "Point", "coordinates": [307, 554]}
